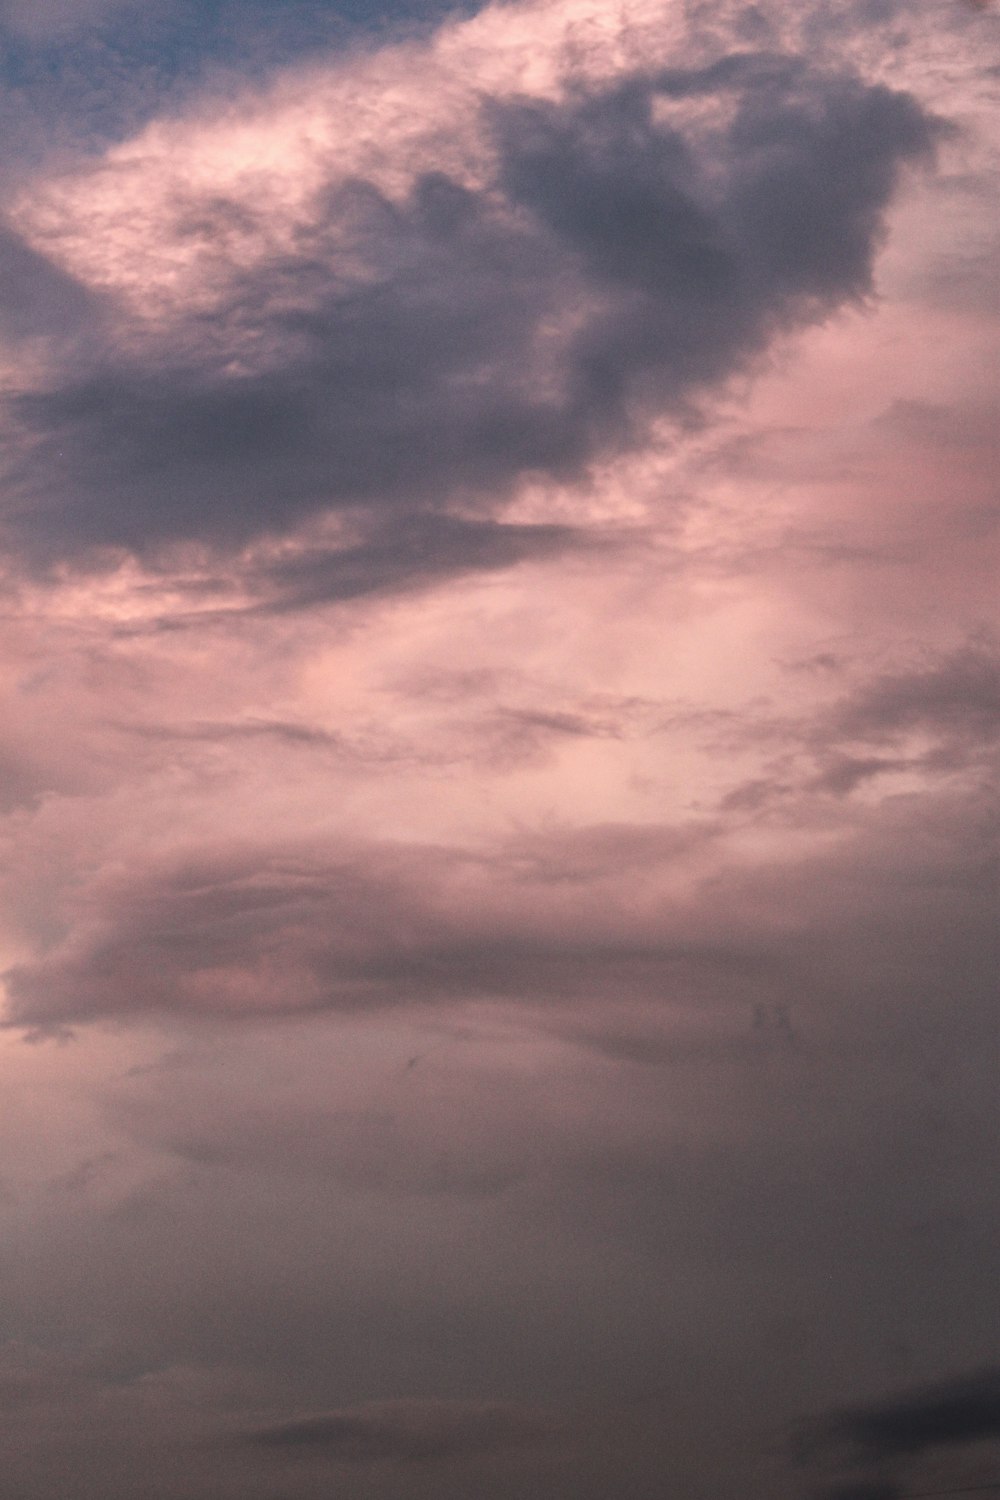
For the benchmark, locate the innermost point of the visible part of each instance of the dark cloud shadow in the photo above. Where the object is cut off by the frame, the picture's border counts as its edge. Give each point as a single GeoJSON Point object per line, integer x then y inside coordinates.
{"type": "Point", "coordinates": [947, 1414]}
{"type": "Point", "coordinates": [416, 551]}
{"type": "Point", "coordinates": [886, 1435]}
{"type": "Point", "coordinates": [617, 267]}
{"type": "Point", "coordinates": [938, 716]}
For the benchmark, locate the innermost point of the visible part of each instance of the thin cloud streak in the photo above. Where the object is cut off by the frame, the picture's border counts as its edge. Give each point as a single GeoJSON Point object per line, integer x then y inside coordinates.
{"type": "Point", "coordinates": [408, 1432]}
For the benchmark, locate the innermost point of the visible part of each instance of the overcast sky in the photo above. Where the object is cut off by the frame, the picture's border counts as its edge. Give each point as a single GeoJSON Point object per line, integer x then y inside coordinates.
{"type": "Point", "coordinates": [499, 708]}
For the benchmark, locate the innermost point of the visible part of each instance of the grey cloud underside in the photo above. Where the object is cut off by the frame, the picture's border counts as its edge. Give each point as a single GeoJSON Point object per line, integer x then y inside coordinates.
{"type": "Point", "coordinates": [354, 929]}
{"type": "Point", "coordinates": [900, 914]}
{"type": "Point", "coordinates": [616, 267]}
{"type": "Point", "coordinates": [955, 697]}
{"type": "Point", "coordinates": [407, 1431]}
{"type": "Point", "coordinates": [939, 716]}
{"type": "Point", "coordinates": [944, 1415]}
{"type": "Point", "coordinates": [405, 553]}
{"type": "Point", "coordinates": [412, 551]}
{"type": "Point", "coordinates": [246, 929]}
{"type": "Point", "coordinates": [882, 1436]}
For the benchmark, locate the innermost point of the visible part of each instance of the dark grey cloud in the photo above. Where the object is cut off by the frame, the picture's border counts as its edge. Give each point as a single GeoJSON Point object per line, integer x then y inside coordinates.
{"type": "Point", "coordinates": [617, 266]}
{"type": "Point", "coordinates": [944, 1415]}
{"type": "Point", "coordinates": [949, 700]}
{"type": "Point", "coordinates": [955, 696]}
{"type": "Point", "coordinates": [408, 1431]}
{"type": "Point", "coordinates": [843, 774]}
{"type": "Point", "coordinates": [414, 551]}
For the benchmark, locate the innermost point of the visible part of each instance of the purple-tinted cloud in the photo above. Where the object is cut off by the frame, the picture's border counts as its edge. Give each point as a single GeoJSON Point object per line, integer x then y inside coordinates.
{"type": "Point", "coordinates": [668, 258]}
{"type": "Point", "coordinates": [498, 710]}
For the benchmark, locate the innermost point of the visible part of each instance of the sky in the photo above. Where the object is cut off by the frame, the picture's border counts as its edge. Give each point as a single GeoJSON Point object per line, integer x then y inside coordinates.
{"type": "Point", "coordinates": [499, 705]}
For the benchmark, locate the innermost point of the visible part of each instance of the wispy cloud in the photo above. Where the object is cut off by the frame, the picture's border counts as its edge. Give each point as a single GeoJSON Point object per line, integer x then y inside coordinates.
{"type": "Point", "coordinates": [409, 1431]}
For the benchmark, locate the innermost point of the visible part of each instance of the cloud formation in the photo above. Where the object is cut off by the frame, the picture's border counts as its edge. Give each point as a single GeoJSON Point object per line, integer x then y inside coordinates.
{"type": "Point", "coordinates": [592, 914]}
{"type": "Point", "coordinates": [247, 930]}
{"type": "Point", "coordinates": [407, 352]}
{"type": "Point", "coordinates": [887, 1437]}
{"type": "Point", "coordinates": [498, 716]}
{"type": "Point", "coordinates": [947, 1414]}
{"type": "Point", "coordinates": [408, 1431]}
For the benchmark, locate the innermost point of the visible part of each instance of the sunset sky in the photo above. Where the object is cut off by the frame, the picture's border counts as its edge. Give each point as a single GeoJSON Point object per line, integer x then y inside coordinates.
{"type": "Point", "coordinates": [499, 709]}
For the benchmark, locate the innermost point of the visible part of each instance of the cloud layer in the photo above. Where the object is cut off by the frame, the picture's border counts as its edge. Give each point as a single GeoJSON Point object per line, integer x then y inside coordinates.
{"type": "Point", "coordinates": [499, 706]}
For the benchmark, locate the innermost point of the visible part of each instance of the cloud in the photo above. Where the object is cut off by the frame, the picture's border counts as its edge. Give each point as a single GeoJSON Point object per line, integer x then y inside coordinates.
{"type": "Point", "coordinates": [36, 296]}
{"type": "Point", "coordinates": [419, 1146]}
{"type": "Point", "coordinates": [945, 1415]}
{"type": "Point", "coordinates": [40, 21]}
{"type": "Point", "coordinates": [409, 1431]}
{"type": "Point", "coordinates": [444, 1023]}
{"type": "Point", "coordinates": [413, 551]}
{"type": "Point", "coordinates": [938, 716]}
{"type": "Point", "coordinates": [941, 715]}
{"type": "Point", "coordinates": [864, 1490]}
{"type": "Point", "coordinates": [402, 354]}
{"type": "Point", "coordinates": [956, 698]}
{"type": "Point", "coordinates": [601, 918]}
{"type": "Point", "coordinates": [243, 930]}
